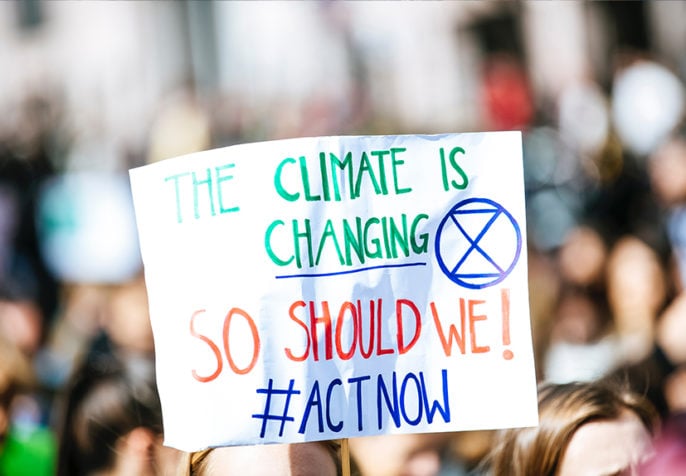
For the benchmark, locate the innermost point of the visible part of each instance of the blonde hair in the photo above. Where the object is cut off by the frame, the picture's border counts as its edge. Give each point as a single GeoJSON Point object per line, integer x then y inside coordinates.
{"type": "Point", "coordinates": [192, 464]}
{"type": "Point", "coordinates": [197, 463]}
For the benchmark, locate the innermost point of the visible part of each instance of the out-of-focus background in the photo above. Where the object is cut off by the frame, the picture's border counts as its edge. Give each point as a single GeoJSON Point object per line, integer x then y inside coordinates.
{"type": "Point", "coordinates": [91, 89]}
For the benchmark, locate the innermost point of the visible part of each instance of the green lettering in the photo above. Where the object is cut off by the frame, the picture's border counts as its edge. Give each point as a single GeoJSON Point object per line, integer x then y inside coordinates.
{"type": "Point", "coordinates": [382, 169]}
{"type": "Point", "coordinates": [396, 162]}
{"type": "Point", "coordinates": [456, 167]}
{"type": "Point", "coordinates": [399, 237]}
{"type": "Point", "coordinates": [291, 197]}
{"type": "Point", "coordinates": [376, 251]}
{"type": "Point", "coordinates": [268, 245]}
{"type": "Point", "coordinates": [386, 240]}
{"type": "Point", "coordinates": [307, 234]}
{"type": "Point", "coordinates": [365, 167]}
{"type": "Point", "coordinates": [306, 181]}
{"type": "Point", "coordinates": [329, 232]}
{"type": "Point", "coordinates": [322, 171]}
{"type": "Point", "coordinates": [353, 240]}
{"type": "Point", "coordinates": [346, 163]}
{"type": "Point", "coordinates": [424, 237]}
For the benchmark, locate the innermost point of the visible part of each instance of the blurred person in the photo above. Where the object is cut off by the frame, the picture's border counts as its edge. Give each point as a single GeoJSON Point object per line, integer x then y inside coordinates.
{"type": "Point", "coordinates": [637, 291]}
{"type": "Point", "coordinates": [74, 326]}
{"type": "Point", "coordinates": [667, 172]}
{"type": "Point", "coordinates": [659, 375]}
{"type": "Point", "coordinates": [111, 420]}
{"type": "Point", "coordinates": [670, 336]}
{"type": "Point", "coordinates": [21, 319]}
{"type": "Point", "coordinates": [583, 256]}
{"type": "Point", "coordinates": [584, 429]}
{"type": "Point", "coordinates": [675, 391]}
{"type": "Point", "coordinates": [28, 405]}
{"type": "Point", "coordinates": [545, 284]}
{"type": "Point", "coordinates": [319, 458]}
{"type": "Point", "coordinates": [31, 139]}
{"type": "Point", "coordinates": [579, 345]}
{"type": "Point", "coordinates": [26, 448]}
{"type": "Point", "coordinates": [466, 450]}
{"type": "Point", "coordinates": [117, 313]}
{"type": "Point", "coordinates": [127, 320]}
{"type": "Point", "coordinates": [418, 454]}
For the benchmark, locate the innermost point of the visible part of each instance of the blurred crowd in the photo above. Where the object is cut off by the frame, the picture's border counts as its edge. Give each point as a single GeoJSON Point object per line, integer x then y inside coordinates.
{"type": "Point", "coordinates": [605, 176]}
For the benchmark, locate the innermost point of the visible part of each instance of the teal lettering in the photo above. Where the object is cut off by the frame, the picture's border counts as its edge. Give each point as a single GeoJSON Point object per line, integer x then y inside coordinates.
{"type": "Point", "coordinates": [177, 194]}
{"type": "Point", "coordinates": [220, 179]}
{"type": "Point", "coordinates": [196, 199]}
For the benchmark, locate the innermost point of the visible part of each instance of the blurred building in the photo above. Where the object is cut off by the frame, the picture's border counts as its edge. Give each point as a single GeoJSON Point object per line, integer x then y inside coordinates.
{"type": "Point", "coordinates": [419, 63]}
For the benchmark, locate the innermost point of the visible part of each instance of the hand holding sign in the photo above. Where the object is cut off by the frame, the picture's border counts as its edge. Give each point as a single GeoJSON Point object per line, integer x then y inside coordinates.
{"type": "Point", "coordinates": [322, 288]}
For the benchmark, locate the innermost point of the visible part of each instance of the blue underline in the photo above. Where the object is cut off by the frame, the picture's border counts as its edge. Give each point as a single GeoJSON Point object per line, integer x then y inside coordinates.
{"type": "Point", "coordinates": [351, 271]}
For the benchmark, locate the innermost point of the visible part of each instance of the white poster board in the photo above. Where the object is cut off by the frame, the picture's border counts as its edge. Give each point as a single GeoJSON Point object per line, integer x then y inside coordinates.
{"type": "Point", "coordinates": [332, 287]}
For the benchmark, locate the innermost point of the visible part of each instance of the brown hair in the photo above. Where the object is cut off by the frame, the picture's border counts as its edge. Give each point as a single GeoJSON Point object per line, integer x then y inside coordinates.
{"type": "Point", "coordinates": [108, 396]}
{"type": "Point", "coordinates": [563, 409]}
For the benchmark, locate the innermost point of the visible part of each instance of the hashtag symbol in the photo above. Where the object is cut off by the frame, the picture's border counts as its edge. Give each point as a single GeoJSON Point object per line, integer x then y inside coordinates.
{"type": "Point", "coordinates": [266, 416]}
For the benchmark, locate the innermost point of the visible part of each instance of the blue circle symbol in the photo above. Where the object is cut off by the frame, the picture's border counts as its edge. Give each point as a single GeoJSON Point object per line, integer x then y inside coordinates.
{"type": "Point", "coordinates": [478, 243]}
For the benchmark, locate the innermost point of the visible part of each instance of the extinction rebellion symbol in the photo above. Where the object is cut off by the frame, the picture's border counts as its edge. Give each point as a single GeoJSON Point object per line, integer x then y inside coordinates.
{"type": "Point", "coordinates": [478, 243]}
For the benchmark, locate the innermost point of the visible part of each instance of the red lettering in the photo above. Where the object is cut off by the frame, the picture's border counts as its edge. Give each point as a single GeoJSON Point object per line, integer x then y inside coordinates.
{"type": "Point", "coordinates": [368, 352]}
{"type": "Point", "coordinates": [472, 328]}
{"type": "Point", "coordinates": [402, 348]}
{"type": "Point", "coordinates": [291, 314]}
{"type": "Point", "coordinates": [255, 337]}
{"type": "Point", "coordinates": [452, 331]}
{"type": "Point", "coordinates": [379, 333]}
{"type": "Point", "coordinates": [213, 346]}
{"type": "Point", "coordinates": [326, 320]}
{"type": "Point", "coordinates": [339, 330]}
{"type": "Point", "coordinates": [347, 328]}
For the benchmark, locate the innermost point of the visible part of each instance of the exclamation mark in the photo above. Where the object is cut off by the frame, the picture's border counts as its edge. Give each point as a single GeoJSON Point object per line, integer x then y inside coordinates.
{"type": "Point", "coordinates": [505, 302]}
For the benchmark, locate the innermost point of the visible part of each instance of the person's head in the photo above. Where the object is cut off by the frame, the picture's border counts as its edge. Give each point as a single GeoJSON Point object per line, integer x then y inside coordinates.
{"type": "Point", "coordinates": [112, 418]}
{"type": "Point", "coordinates": [21, 319]}
{"type": "Point", "coordinates": [582, 256]}
{"type": "Point", "coordinates": [584, 428]}
{"type": "Point", "coordinates": [636, 284]}
{"type": "Point", "coordinates": [127, 321]}
{"type": "Point", "coordinates": [408, 454]}
{"type": "Point", "coordinates": [320, 458]}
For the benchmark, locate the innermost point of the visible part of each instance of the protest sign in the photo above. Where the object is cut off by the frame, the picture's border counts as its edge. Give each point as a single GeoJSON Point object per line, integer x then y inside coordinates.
{"type": "Point", "coordinates": [332, 287]}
